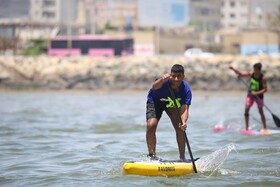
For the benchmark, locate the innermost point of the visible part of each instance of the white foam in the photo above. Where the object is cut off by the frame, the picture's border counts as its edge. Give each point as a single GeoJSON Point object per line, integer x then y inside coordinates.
{"type": "Point", "coordinates": [212, 162]}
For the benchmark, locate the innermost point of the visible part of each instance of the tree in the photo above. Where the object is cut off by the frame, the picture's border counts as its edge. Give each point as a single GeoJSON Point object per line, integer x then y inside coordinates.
{"type": "Point", "coordinates": [36, 47]}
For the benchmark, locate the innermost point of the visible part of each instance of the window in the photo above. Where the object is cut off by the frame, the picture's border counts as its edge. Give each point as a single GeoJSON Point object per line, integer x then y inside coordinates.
{"type": "Point", "coordinates": [243, 3]}
{"type": "Point", "coordinates": [62, 44]}
{"type": "Point", "coordinates": [204, 11]}
{"type": "Point", "coordinates": [48, 14]}
{"type": "Point", "coordinates": [243, 15]}
{"type": "Point", "coordinates": [48, 3]}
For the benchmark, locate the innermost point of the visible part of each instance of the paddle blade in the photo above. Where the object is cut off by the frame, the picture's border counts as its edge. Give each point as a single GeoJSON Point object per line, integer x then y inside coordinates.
{"type": "Point", "coordinates": [276, 120]}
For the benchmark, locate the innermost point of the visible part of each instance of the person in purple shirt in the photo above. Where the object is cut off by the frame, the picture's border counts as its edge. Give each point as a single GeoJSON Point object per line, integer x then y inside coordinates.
{"type": "Point", "coordinates": [159, 99]}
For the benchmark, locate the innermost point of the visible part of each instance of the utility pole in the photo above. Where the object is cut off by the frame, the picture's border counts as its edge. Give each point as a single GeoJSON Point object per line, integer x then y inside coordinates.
{"type": "Point", "coordinates": [249, 13]}
{"type": "Point", "coordinates": [158, 29]}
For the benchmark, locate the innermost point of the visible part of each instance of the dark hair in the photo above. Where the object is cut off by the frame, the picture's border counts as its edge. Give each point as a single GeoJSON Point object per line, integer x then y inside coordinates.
{"type": "Point", "coordinates": [258, 66]}
{"type": "Point", "coordinates": [177, 68]}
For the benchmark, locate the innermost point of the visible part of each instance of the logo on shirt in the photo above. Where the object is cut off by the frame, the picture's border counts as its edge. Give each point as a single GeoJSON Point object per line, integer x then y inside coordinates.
{"type": "Point", "coordinates": [255, 85]}
{"type": "Point", "coordinates": [170, 102]}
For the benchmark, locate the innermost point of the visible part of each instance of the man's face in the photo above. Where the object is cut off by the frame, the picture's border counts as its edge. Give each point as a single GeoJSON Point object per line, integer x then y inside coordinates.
{"type": "Point", "coordinates": [177, 78]}
{"type": "Point", "coordinates": [257, 71]}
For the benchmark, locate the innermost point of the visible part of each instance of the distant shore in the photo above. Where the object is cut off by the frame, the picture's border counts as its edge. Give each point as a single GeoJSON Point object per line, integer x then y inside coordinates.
{"type": "Point", "coordinates": [129, 92]}
{"type": "Point", "coordinates": [129, 73]}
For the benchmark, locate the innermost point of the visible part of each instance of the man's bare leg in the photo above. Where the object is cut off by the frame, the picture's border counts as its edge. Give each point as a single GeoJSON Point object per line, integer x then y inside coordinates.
{"type": "Point", "coordinates": [151, 135]}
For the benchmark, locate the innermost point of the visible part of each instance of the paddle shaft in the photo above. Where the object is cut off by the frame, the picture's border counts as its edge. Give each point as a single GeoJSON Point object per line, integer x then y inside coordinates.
{"type": "Point", "coordinates": [180, 120]}
{"type": "Point", "coordinates": [275, 118]}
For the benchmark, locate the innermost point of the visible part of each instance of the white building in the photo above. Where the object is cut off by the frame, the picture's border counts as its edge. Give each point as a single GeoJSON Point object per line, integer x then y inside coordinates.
{"type": "Point", "coordinates": [14, 8]}
{"type": "Point", "coordinates": [247, 13]}
{"type": "Point", "coordinates": [204, 14]}
{"type": "Point", "coordinates": [53, 11]}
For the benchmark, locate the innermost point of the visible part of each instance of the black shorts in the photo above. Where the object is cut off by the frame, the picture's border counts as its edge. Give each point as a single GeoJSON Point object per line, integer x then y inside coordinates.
{"type": "Point", "coordinates": [152, 111]}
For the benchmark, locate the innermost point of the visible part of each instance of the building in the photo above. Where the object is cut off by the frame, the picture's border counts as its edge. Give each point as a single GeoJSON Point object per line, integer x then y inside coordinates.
{"type": "Point", "coordinates": [259, 42]}
{"type": "Point", "coordinates": [14, 8]}
{"type": "Point", "coordinates": [85, 16]}
{"type": "Point", "coordinates": [234, 13]}
{"type": "Point", "coordinates": [261, 12]}
{"type": "Point", "coordinates": [247, 13]}
{"type": "Point", "coordinates": [47, 11]}
{"type": "Point", "coordinates": [204, 15]}
{"type": "Point", "coordinates": [12, 13]}
{"type": "Point", "coordinates": [120, 15]}
{"type": "Point", "coordinates": [249, 41]}
{"type": "Point", "coordinates": [181, 24]}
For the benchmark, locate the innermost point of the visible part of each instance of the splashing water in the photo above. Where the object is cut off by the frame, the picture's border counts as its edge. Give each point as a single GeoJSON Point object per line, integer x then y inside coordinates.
{"type": "Point", "coordinates": [212, 162]}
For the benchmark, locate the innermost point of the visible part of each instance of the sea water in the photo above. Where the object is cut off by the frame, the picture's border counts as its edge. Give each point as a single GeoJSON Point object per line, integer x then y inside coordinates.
{"type": "Point", "coordinates": [72, 138]}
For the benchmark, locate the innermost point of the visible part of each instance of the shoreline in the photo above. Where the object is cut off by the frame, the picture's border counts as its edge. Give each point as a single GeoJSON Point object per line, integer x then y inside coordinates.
{"type": "Point", "coordinates": [206, 93]}
{"type": "Point", "coordinates": [129, 73]}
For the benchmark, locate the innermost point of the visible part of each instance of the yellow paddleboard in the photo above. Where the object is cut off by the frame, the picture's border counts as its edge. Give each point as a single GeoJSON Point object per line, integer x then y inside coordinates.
{"type": "Point", "coordinates": [157, 168]}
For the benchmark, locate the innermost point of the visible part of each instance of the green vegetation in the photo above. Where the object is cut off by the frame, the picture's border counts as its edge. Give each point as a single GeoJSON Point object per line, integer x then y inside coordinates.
{"type": "Point", "coordinates": [36, 47]}
{"type": "Point", "coordinates": [107, 27]}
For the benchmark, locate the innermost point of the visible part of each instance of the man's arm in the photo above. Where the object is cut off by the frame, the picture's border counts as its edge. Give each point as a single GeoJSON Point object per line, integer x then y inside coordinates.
{"type": "Point", "coordinates": [184, 116]}
{"type": "Point", "coordinates": [241, 74]}
{"type": "Point", "coordinates": [158, 83]}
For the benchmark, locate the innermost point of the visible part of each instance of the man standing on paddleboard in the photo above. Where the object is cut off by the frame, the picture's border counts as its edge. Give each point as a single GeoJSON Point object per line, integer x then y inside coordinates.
{"type": "Point", "coordinates": [159, 99]}
{"type": "Point", "coordinates": [256, 91]}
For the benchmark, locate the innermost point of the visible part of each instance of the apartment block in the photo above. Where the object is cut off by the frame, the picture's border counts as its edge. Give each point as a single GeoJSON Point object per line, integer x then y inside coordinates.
{"type": "Point", "coordinates": [247, 13]}
{"type": "Point", "coordinates": [205, 14]}
{"type": "Point", "coordinates": [46, 11]}
{"type": "Point", "coordinates": [14, 8]}
{"type": "Point", "coordinates": [114, 13]}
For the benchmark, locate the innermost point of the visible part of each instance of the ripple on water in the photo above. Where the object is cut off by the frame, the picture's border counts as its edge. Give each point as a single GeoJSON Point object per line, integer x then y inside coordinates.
{"type": "Point", "coordinates": [116, 128]}
{"type": "Point", "coordinates": [66, 139]}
